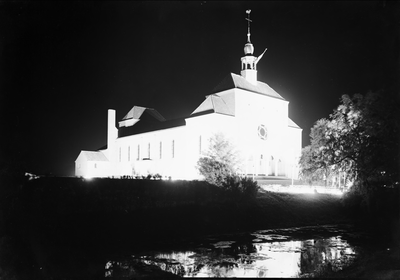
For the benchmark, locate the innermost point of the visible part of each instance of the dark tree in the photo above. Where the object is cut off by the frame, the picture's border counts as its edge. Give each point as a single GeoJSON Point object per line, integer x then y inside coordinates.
{"type": "Point", "coordinates": [315, 164]}
{"type": "Point", "coordinates": [360, 138]}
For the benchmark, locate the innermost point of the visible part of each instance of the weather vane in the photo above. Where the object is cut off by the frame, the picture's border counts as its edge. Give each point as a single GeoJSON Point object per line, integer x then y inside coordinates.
{"type": "Point", "coordinates": [248, 25]}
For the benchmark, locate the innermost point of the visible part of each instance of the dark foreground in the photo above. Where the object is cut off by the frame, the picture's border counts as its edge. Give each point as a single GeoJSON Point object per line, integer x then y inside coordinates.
{"type": "Point", "coordinates": [63, 228]}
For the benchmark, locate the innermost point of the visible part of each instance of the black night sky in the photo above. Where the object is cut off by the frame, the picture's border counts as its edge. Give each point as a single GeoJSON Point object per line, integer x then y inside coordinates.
{"type": "Point", "coordinates": [63, 64]}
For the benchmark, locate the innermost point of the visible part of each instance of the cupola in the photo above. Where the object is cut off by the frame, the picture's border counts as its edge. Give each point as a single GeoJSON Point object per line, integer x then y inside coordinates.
{"type": "Point", "coordinates": [248, 49]}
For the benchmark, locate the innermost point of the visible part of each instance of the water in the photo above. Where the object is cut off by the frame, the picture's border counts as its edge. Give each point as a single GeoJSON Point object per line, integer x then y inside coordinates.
{"type": "Point", "coordinates": [294, 252]}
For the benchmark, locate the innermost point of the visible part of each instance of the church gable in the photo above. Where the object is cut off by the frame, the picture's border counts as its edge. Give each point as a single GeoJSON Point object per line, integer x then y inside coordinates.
{"type": "Point", "coordinates": [137, 112]}
{"type": "Point", "coordinates": [217, 104]}
{"type": "Point", "coordinates": [134, 113]}
{"type": "Point", "coordinates": [141, 113]}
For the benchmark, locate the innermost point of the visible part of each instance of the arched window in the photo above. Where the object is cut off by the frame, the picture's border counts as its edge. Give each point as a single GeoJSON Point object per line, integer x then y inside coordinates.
{"type": "Point", "coordinates": [200, 144]}
{"type": "Point", "coordinates": [173, 148]}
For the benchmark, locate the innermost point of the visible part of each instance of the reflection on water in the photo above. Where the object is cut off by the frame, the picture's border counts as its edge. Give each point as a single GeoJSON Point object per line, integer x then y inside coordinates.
{"type": "Point", "coordinates": [260, 254]}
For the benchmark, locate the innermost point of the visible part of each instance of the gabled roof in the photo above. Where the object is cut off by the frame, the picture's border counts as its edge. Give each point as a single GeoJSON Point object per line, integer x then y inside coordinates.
{"type": "Point", "coordinates": [93, 156]}
{"type": "Point", "coordinates": [137, 112]}
{"type": "Point", "coordinates": [292, 124]}
{"type": "Point", "coordinates": [217, 104]}
{"type": "Point", "coordinates": [237, 81]}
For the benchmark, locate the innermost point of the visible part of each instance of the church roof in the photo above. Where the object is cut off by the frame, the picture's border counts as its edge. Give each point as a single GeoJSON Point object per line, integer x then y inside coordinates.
{"type": "Point", "coordinates": [237, 81]}
{"type": "Point", "coordinates": [137, 111]}
{"type": "Point", "coordinates": [217, 104]}
{"type": "Point", "coordinates": [143, 126]}
{"type": "Point", "coordinates": [94, 156]}
{"type": "Point", "coordinates": [292, 124]}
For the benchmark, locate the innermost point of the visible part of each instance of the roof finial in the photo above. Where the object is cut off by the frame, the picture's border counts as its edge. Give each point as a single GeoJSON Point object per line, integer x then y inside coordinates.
{"type": "Point", "coordinates": [248, 25]}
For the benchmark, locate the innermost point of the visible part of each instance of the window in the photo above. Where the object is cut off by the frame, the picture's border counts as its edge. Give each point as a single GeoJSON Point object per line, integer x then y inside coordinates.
{"type": "Point", "coordinates": [148, 150]}
{"type": "Point", "coordinates": [129, 153]}
{"type": "Point", "coordinates": [138, 152]}
{"type": "Point", "coordinates": [160, 149]}
{"type": "Point", "coordinates": [262, 132]}
{"type": "Point", "coordinates": [173, 148]}
{"type": "Point", "coordinates": [200, 144]}
{"type": "Point", "coordinates": [95, 165]}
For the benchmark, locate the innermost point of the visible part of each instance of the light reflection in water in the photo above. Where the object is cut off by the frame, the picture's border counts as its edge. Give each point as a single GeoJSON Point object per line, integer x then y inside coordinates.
{"type": "Point", "coordinates": [264, 255]}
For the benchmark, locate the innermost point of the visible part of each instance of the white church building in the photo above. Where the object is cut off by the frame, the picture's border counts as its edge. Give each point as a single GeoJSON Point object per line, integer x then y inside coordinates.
{"type": "Point", "coordinates": [250, 114]}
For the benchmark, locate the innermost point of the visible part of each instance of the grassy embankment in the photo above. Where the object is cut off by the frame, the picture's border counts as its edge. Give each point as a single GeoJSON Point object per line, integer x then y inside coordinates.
{"type": "Point", "coordinates": [144, 207]}
{"type": "Point", "coordinates": [62, 220]}
{"type": "Point", "coordinates": [148, 207]}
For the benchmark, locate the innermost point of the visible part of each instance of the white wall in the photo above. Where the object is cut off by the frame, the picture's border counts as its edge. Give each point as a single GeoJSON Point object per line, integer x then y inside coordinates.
{"type": "Point", "coordinates": [253, 110]}
{"type": "Point", "coordinates": [295, 142]}
{"type": "Point", "coordinates": [81, 166]}
{"type": "Point", "coordinates": [91, 169]}
{"type": "Point", "coordinates": [205, 126]}
{"type": "Point", "coordinates": [129, 161]}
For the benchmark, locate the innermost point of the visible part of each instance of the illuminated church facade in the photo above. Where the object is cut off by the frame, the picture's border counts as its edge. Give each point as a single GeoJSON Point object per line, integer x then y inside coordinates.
{"type": "Point", "coordinates": [249, 113]}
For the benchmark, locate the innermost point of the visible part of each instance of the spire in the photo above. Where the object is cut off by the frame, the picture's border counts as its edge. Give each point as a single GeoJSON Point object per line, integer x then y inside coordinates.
{"type": "Point", "coordinates": [248, 48]}
{"type": "Point", "coordinates": [248, 25]}
{"type": "Point", "coordinates": [249, 62]}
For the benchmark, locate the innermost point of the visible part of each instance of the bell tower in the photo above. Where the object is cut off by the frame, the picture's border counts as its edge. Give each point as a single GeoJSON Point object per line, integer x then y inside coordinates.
{"type": "Point", "coordinates": [249, 61]}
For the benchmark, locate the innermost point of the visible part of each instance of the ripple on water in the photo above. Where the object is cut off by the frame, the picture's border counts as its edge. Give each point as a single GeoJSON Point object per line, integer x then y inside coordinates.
{"type": "Point", "coordinates": [270, 237]}
{"type": "Point", "coordinates": [259, 257]}
{"type": "Point", "coordinates": [223, 244]}
{"type": "Point", "coordinates": [257, 240]}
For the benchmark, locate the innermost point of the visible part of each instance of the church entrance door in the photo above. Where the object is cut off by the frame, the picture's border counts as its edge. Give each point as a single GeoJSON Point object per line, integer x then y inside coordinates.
{"type": "Point", "coordinates": [271, 166]}
{"type": "Point", "coordinates": [262, 168]}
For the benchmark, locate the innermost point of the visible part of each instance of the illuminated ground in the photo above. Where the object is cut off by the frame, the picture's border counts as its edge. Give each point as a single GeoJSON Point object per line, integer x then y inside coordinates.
{"type": "Point", "coordinates": [287, 185]}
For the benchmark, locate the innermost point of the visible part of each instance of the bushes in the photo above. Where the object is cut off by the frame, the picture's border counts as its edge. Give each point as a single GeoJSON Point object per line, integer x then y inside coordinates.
{"type": "Point", "coordinates": [220, 174]}
{"type": "Point", "coordinates": [215, 172]}
{"type": "Point", "coordinates": [240, 187]}
{"type": "Point", "coordinates": [219, 161]}
{"type": "Point", "coordinates": [219, 165]}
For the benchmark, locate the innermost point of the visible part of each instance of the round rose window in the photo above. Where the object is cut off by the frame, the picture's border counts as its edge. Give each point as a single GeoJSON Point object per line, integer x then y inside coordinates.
{"type": "Point", "coordinates": [262, 132]}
